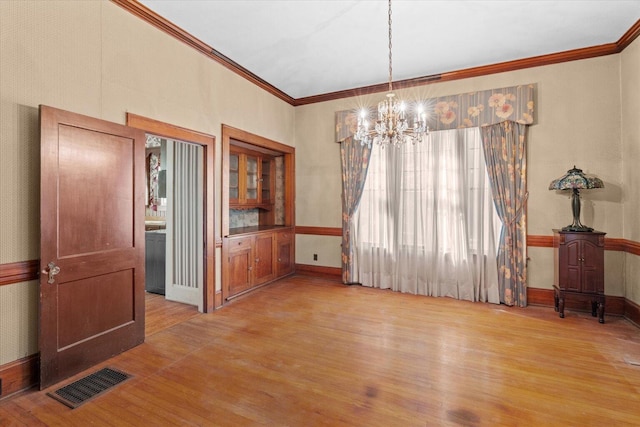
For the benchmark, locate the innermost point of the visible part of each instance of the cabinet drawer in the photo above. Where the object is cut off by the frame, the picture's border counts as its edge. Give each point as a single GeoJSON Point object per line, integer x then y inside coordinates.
{"type": "Point", "coordinates": [238, 244]}
{"type": "Point", "coordinates": [284, 236]}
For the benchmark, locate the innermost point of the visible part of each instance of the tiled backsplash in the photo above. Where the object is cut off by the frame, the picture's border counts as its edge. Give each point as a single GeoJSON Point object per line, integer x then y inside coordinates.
{"type": "Point", "coordinates": [243, 218]}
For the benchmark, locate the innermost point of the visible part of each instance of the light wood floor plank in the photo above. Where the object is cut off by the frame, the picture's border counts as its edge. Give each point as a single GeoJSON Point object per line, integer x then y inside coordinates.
{"type": "Point", "coordinates": [306, 351]}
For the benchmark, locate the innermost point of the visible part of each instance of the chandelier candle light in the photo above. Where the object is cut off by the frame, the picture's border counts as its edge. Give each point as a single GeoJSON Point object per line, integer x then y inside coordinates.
{"type": "Point", "coordinates": [392, 126]}
{"type": "Point", "coordinates": [575, 180]}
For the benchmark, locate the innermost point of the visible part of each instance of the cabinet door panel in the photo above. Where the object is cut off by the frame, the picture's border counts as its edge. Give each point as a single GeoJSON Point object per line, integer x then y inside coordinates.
{"type": "Point", "coordinates": [251, 194]}
{"type": "Point", "coordinates": [264, 270]}
{"type": "Point", "coordinates": [234, 178]}
{"type": "Point", "coordinates": [590, 281]}
{"type": "Point", "coordinates": [571, 260]}
{"type": "Point", "coordinates": [284, 260]}
{"type": "Point", "coordinates": [593, 275]}
{"type": "Point", "coordinates": [573, 279]}
{"type": "Point", "coordinates": [573, 254]}
{"type": "Point", "coordinates": [240, 266]}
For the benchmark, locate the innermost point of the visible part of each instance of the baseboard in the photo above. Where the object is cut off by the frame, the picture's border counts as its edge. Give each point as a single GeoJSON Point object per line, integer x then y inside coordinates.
{"type": "Point", "coordinates": [321, 271]}
{"type": "Point", "coordinates": [613, 305]}
{"type": "Point", "coordinates": [632, 312]}
{"type": "Point", "coordinates": [19, 375]}
{"type": "Point", "coordinates": [218, 300]}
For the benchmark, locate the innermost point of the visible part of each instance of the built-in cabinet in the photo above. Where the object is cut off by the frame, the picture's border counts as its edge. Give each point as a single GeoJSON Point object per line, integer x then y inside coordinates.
{"type": "Point", "coordinates": [256, 258]}
{"type": "Point", "coordinates": [257, 211]}
{"type": "Point", "coordinates": [579, 269]}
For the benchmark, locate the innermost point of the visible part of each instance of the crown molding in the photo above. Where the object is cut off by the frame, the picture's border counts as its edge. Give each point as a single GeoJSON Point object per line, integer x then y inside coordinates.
{"type": "Point", "coordinates": [173, 30]}
{"type": "Point", "coordinates": [628, 37]}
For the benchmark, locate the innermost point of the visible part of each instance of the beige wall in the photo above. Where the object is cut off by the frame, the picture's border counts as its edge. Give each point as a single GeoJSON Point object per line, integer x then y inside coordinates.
{"type": "Point", "coordinates": [96, 59]}
{"type": "Point", "coordinates": [630, 88]}
{"type": "Point", "coordinates": [578, 122]}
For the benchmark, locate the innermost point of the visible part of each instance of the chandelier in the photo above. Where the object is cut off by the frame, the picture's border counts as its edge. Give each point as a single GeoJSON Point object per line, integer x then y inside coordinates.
{"type": "Point", "coordinates": [392, 125]}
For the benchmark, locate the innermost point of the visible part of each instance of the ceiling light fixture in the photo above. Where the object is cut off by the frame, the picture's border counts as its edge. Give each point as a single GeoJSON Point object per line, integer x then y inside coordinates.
{"type": "Point", "coordinates": [392, 126]}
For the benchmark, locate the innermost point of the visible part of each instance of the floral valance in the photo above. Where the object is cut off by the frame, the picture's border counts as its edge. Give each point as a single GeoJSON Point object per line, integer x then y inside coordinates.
{"type": "Point", "coordinates": [465, 110]}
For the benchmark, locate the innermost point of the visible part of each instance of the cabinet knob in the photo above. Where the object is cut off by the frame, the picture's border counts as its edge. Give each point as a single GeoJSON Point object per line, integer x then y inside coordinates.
{"type": "Point", "coordinates": [279, 260]}
{"type": "Point", "coordinates": [250, 268]}
{"type": "Point", "coordinates": [257, 259]}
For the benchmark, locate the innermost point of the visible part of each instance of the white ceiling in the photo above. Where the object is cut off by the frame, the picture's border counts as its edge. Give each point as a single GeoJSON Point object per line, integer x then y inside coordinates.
{"type": "Point", "coordinates": [313, 47]}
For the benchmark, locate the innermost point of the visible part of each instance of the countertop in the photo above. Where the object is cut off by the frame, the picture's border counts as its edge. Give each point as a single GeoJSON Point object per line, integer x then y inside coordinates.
{"type": "Point", "coordinates": [256, 229]}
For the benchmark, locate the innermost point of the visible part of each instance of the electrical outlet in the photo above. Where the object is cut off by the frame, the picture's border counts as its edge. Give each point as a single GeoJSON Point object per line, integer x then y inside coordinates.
{"type": "Point", "coordinates": [315, 257]}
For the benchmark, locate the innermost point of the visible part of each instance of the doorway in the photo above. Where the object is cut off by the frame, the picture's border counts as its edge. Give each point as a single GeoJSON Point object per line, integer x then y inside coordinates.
{"type": "Point", "coordinates": [174, 218]}
{"type": "Point", "coordinates": [210, 298]}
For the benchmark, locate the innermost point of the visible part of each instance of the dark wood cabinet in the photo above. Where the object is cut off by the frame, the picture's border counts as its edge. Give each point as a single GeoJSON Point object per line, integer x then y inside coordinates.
{"type": "Point", "coordinates": [256, 258]}
{"type": "Point", "coordinates": [155, 264]}
{"type": "Point", "coordinates": [579, 269]}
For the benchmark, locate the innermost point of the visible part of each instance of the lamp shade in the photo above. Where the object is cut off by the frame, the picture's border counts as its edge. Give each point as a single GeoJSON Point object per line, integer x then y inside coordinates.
{"type": "Point", "coordinates": [575, 179]}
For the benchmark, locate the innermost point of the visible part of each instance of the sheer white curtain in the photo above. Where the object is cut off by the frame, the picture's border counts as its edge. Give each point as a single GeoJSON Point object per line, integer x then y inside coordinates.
{"type": "Point", "coordinates": [426, 223]}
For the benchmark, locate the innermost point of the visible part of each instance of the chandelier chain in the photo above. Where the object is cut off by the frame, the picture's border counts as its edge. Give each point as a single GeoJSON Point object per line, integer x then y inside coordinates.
{"type": "Point", "coordinates": [390, 58]}
{"type": "Point", "coordinates": [395, 124]}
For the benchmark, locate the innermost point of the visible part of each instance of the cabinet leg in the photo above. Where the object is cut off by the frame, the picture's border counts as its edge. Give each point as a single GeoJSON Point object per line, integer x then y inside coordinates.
{"type": "Point", "coordinates": [555, 301]}
{"type": "Point", "coordinates": [601, 312]}
{"type": "Point", "coordinates": [561, 306]}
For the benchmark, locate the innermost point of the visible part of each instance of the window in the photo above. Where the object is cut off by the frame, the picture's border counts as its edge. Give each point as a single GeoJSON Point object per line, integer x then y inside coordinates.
{"type": "Point", "coordinates": [427, 207]}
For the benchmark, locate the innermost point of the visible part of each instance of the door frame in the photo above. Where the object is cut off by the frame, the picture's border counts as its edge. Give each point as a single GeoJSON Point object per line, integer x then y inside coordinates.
{"type": "Point", "coordinates": [212, 299]}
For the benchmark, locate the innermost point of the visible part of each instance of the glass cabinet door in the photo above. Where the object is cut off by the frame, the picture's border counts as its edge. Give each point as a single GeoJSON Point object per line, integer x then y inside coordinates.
{"type": "Point", "coordinates": [234, 175]}
{"type": "Point", "coordinates": [252, 179]}
{"type": "Point", "coordinates": [265, 181]}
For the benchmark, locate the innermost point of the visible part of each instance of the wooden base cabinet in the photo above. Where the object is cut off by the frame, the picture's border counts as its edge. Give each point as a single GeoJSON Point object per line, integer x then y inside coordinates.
{"type": "Point", "coordinates": [239, 265]}
{"type": "Point", "coordinates": [263, 251]}
{"type": "Point", "coordinates": [255, 259]}
{"type": "Point", "coordinates": [579, 269]}
{"type": "Point", "coordinates": [284, 253]}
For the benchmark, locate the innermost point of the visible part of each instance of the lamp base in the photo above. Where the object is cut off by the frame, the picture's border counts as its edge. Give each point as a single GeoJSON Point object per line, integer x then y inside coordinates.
{"type": "Point", "coordinates": [577, 228]}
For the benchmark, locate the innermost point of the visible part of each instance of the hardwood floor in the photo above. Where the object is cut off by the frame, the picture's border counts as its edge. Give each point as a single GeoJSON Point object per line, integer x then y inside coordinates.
{"type": "Point", "coordinates": [310, 352]}
{"type": "Point", "coordinates": [161, 314]}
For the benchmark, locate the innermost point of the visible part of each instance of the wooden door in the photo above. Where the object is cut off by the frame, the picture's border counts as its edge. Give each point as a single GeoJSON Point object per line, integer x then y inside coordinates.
{"type": "Point", "coordinates": [92, 242]}
{"type": "Point", "coordinates": [264, 268]}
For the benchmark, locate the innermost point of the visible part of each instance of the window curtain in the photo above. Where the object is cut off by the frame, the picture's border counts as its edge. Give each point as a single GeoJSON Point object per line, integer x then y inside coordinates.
{"type": "Point", "coordinates": [426, 223]}
{"type": "Point", "coordinates": [355, 163]}
{"type": "Point", "coordinates": [505, 152]}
